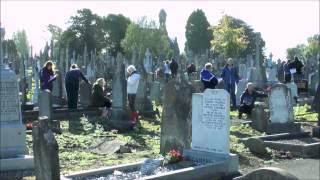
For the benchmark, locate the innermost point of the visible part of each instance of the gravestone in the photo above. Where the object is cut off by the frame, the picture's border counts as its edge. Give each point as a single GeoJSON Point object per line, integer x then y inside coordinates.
{"type": "Point", "coordinates": [57, 85]}
{"type": "Point", "coordinates": [120, 115]}
{"type": "Point", "coordinates": [45, 104]}
{"type": "Point", "coordinates": [176, 116]}
{"type": "Point", "coordinates": [241, 86]}
{"type": "Point", "coordinates": [280, 104]}
{"type": "Point", "coordinates": [36, 91]}
{"type": "Point", "coordinates": [155, 92]}
{"type": "Point", "coordinates": [85, 94]}
{"type": "Point", "coordinates": [143, 103]}
{"type": "Point", "coordinates": [294, 91]}
{"type": "Point", "coordinates": [210, 118]}
{"type": "Point", "coordinates": [272, 74]}
{"type": "Point", "coordinates": [243, 71]}
{"type": "Point", "coordinates": [281, 111]}
{"type": "Point", "coordinates": [147, 62]}
{"type": "Point", "coordinates": [12, 131]}
{"type": "Point", "coordinates": [45, 150]}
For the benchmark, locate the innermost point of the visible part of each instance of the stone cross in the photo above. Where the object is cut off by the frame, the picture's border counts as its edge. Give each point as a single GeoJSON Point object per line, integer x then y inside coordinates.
{"type": "Point", "coordinates": [148, 61]}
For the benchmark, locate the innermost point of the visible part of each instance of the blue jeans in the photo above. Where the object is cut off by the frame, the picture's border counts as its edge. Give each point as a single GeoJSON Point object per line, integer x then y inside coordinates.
{"type": "Point", "coordinates": [231, 89]}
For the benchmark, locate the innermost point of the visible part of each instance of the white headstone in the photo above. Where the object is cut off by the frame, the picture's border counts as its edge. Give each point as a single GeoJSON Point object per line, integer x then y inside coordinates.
{"type": "Point", "coordinates": [147, 62]}
{"type": "Point", "coordinates": [280, 103]}
{"type": "Point", "coordinates": [12, 131]}
{"type": "Point", "coordinates": [210, 118]}
{"type": "Point", "coordinates": [243, 71]}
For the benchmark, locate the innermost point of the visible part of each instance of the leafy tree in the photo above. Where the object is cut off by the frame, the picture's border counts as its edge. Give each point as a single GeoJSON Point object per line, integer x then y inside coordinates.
{"type": "Point", "coordinates": [83, 30]}
{"type": "Point", "coordinates": [198, 35]}
{"type": "Point", "coordinates": [299, 51]}
{"type": "Point", "coordinates": [313, 47]}
{"type": "Point", "coordinates": [55, 31]}
{"type": "Point", "coordinates": [114, 28]}
{"type": "Point", "coordinates": [249, 36]}
{"type": "Point", "coordinates": [229, 41]}
{"type": "Point", "coordinates": [21, 42]}
{"type": "Point", "coordinates": [145, 34]}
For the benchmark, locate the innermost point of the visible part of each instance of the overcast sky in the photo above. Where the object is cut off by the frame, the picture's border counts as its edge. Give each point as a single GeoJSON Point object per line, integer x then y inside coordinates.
{"type": "Point", "coordinates": [282, 24]}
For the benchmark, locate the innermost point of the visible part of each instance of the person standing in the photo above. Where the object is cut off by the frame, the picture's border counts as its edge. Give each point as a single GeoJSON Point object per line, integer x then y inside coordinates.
{"type": "Point", "coordinates": [298, 65]}
{"type": "Point", "coordinates": [47, 76]}
{"type": "Point", "coordinates": [72, 81]}
{"type": "Point", "coordinates": [230, 77]}
{"type": "Point", "coordinates": [132, 88]}
{"type": "Point", "coordinates": [286, 71]}
{"type": "Point", "coordinates": [174, 68]}
{"type": "Point", "coordinates": [207, 77]}
{"type": "Point", "coordinates": [191, 69]}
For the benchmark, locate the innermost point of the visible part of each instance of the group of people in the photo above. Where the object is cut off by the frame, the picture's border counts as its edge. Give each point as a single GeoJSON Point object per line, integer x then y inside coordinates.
{"type": "Point", "coordinates": [98, 95]}
{"type": "Point", "coordinates": [169, 69]}
{"type": "Point", "coordinates": [230, 78]}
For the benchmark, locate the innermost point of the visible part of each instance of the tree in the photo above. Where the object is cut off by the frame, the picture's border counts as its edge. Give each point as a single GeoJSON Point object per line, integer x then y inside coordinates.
{"type": "Point", "coordinates": [145, 34]}
{"type": "Point", "coordinates": [313, 47]}
{"type": "Point", "coordinates": [9, 48]}
{"type": "Point", "coordinates": [21, 42]}
{"type": "Point", "coordinates": [299, 51]}
{"type": "Point", "coordinates": [229, 41]}
{"type": "Point", "coordinates": [114, 29]}
{"type": "Point", "coordinates": [198, 35]}
{"type": "Point", "coordinates": [83, 30]}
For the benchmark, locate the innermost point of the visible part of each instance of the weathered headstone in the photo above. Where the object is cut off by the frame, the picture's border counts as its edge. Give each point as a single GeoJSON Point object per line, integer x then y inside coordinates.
{"type": "Point", "coordinates": [143, 103]}
{"type": "Point", "coordinates": [210, 118]}
{"type": "Point", "coordinates": [281, 111]}
{"type": "Point", "coordinates": [243, 71]}
{"type": "Point", "coordinates": [176, 116]}
{"type": "Point", "coordinates": [155, 92]}
{"type": "Point", "coordinates": [120, 115]}
{"type": "Point", "coordinates": [12, 131]}
{"type": "Point", "coordinates": [57, 85]}
{"type": "Point", "coordinates": [45, 104]}
{"type": "Point", "coordinates": [45, 150]}
{"type": "Point", "coordinates": [85, 94]}
{"type": "Point", "coordinates": [280, 104]}
{"type": "Point", "coordinates": [147, 62]}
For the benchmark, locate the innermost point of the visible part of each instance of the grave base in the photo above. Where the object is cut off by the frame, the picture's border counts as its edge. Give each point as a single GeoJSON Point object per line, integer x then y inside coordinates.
{"type": "Point", "coordinates": [120, 120]}
{"type": "Point", "coordinates": [22, 162]}
{"type": "Point", "coordinates": [277, 128]}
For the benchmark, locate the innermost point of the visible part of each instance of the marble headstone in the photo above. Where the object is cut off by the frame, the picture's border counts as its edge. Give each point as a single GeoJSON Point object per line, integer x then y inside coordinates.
{"type": "Point", "coordinates": [280, 104]}
{"type": "Point", "coordinates": [210, 118]}
{"type": "Point", "coordinates": [12, 131]}
{"type": "Point", "coordinates": [147, 62]}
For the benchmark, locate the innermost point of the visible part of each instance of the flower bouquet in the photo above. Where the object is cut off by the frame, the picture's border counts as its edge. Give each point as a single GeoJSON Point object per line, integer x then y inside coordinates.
{"type": "Point", "coordinates": [173, 156]}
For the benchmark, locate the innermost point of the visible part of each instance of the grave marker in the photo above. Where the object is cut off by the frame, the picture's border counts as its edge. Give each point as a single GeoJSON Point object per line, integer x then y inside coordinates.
{"type": "Point", "coordinates": [210, 118]}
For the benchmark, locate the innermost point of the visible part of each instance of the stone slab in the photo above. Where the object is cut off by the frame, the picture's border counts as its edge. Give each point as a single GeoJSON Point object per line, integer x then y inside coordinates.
{"type": "Point", "coordinates": [276, 128]}
{"type": "Point", "coordinates": [22, 162]}
{"type": "Point", "coordinates": [12, 141]}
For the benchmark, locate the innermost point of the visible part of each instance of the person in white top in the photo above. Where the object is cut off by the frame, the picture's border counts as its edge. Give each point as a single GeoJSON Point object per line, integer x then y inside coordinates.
{"type": "Point", "coordinates": [132, 86]}
{"type": "Point", "coordinates": [167, 70]}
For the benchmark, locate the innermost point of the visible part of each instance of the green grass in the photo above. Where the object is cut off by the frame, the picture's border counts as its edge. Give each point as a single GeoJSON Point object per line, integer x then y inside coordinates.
{"type": "Point", "coordinates": [79, 134]}
{"type": "Point", "coordinates": [302, 113]}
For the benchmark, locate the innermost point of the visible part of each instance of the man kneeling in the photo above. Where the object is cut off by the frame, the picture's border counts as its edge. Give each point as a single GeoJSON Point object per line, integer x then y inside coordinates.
{"type": "Point", "coordinates": [247, 99]}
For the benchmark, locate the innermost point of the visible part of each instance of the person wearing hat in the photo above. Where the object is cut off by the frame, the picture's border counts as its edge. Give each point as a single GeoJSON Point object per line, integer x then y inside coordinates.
{"type": "Point", "coordinates": [207, 77]}
{"type": "Point", "coordinates": [132, 88]}
{"type": "Point", "coordinates": [247, 99]}
{"type": "Point", "coordinates": [230, 77]}
{"type": "Point", "coordinates": [72, 85]}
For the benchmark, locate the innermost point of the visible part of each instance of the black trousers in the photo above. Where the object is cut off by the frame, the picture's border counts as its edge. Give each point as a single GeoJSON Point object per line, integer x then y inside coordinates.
{"type": "Point", "coordinates": [131, 99]}
{"type": "Point", "coordinates": [72, 95]}
{"type": "Point", "coordinates": [245, 109]}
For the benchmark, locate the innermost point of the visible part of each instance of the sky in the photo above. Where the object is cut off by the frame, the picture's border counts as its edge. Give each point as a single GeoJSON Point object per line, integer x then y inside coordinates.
{"type": "Point", "coordinates": [282, 24]}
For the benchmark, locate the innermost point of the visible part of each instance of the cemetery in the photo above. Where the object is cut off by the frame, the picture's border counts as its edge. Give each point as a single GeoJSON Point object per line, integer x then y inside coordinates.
{"type": "Point", "coordinates": [258, 119]}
